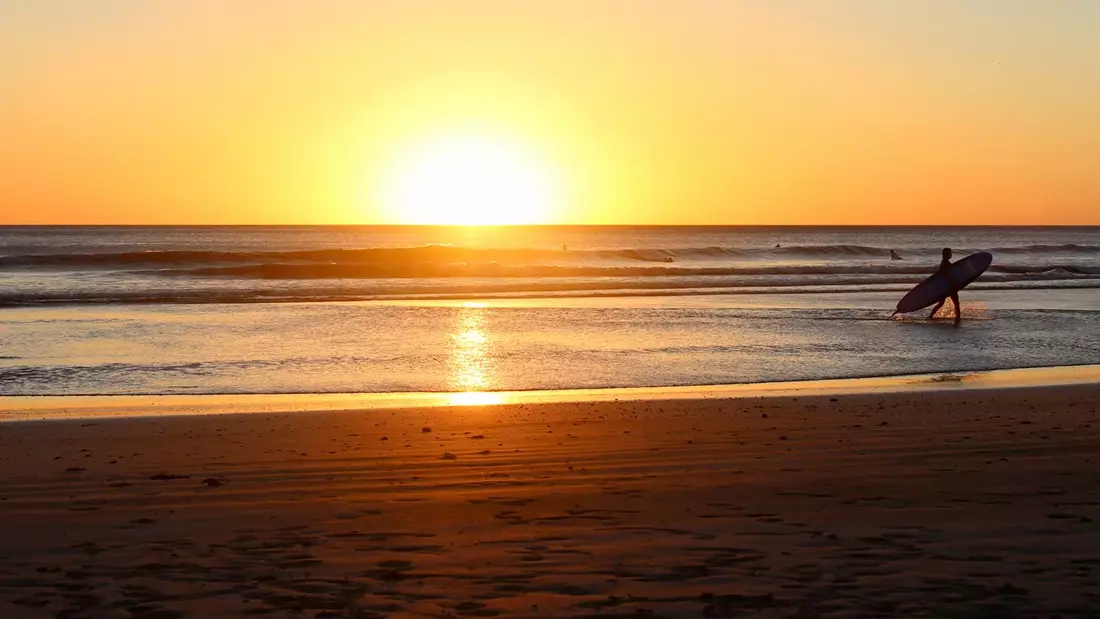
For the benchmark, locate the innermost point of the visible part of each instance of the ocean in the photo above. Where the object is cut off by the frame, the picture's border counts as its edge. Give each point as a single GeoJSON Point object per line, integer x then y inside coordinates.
{"type": "Point", "coordinates": [220, 310]}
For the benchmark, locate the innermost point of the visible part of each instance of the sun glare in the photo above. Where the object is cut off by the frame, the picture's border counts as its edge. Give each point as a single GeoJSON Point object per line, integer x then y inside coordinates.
{"type": "Point", "coordinates": [470, 180]}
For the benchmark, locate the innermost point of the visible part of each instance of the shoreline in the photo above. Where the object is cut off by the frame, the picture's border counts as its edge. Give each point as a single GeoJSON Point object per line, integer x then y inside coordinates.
{"type": "Point", "coordinates": [60, 408]}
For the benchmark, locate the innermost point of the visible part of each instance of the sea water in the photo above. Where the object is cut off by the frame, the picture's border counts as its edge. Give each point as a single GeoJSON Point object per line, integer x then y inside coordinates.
{"type": "Point", "coordinates": [150, 310]}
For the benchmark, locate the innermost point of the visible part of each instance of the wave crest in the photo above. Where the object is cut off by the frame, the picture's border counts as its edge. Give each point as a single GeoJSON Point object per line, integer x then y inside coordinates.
{"type": "Point", "coordinates": [445, 254]}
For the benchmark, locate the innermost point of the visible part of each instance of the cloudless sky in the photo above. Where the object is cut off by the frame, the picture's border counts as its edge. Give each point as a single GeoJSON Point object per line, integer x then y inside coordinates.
{"type": "Point", "coordinates": [651, 112]}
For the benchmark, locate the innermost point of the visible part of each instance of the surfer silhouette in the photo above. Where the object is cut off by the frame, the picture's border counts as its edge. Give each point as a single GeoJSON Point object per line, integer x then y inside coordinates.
{"type": "Point", "coordinates": [945, 264]}
{"type": "Point", "coordinates": [894, 255]}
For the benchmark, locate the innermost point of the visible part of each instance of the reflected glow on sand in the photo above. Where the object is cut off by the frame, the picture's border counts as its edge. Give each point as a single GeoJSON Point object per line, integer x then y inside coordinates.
{"type": "Point", "coordinates": [477, 398]}
{"type": "Point", "coordinates": [469, 364]}
{"type": "Point", "coordinates": [19, 408]}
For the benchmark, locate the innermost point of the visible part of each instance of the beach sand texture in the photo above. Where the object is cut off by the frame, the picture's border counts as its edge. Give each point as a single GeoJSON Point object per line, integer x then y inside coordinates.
{"type": "Point", "coordinates": [960, 504]}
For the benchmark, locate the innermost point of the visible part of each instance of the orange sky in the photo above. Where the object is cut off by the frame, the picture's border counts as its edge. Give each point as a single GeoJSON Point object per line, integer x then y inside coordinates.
{"type": "Point", "coordinates": [645, 111]}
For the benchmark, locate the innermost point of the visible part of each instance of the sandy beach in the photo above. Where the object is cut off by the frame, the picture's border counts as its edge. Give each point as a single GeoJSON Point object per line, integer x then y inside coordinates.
{"type": "Point", "coordinates": [949, 504]}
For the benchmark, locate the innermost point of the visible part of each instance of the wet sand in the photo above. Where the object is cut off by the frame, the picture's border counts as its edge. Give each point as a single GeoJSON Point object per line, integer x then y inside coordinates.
{"type": "Point", "coordinates": [946, 504]}
{"type": "Point", "coordinates": [25, 408]}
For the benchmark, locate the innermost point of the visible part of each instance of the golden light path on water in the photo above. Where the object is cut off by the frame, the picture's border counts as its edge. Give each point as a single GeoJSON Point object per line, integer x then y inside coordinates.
{"type": "Point", "coordinates": [470, 364]}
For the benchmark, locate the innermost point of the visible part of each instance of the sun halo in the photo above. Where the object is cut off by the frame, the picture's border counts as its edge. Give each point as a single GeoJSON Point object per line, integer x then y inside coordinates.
{"type": "Point", "coordinates": [470, 179]}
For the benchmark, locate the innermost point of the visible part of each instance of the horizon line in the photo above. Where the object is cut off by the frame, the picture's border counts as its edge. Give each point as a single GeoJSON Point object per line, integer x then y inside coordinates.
{"type": "Point", "coordinates": [555, 225]}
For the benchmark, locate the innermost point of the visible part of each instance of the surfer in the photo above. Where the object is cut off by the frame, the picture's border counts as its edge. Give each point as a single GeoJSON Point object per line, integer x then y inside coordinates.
{"type": "Point", "coordinates": [894, 255]}
{"type": "Point", "coordinates": [945, 264]}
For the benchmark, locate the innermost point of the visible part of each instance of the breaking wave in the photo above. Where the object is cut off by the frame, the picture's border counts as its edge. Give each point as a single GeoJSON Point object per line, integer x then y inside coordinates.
{"type": "Point", "coordinates": [400, 271]}
{"type": "Point", "coordinates": [445, 254]}
{"type": "Point", "coordinates": [445, 271]}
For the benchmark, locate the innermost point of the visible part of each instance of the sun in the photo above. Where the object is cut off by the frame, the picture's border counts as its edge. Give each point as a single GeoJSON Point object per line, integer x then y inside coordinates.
{"type": "Point", "coordinates": [470, 179]}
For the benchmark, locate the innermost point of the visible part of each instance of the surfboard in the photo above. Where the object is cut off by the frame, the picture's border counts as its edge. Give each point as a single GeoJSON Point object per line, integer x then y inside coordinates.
{"type": "Point", "coordinates": [938, 286]}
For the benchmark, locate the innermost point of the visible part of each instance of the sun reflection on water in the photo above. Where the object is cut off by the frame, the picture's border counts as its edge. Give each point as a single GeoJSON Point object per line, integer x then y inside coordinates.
{"type": "Point", "coordinates": [470, 364]}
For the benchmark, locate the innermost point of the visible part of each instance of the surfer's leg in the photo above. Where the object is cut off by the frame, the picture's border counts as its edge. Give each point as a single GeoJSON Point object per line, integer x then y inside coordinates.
{"type": "Point", "coordinates": [958, 307]}
{"type": "Point", "coordinates": [936, 309]}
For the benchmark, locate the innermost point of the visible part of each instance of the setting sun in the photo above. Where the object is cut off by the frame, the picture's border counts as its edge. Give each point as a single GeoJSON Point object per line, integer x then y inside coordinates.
{"type": "Point", "coordinates": [470, 179]}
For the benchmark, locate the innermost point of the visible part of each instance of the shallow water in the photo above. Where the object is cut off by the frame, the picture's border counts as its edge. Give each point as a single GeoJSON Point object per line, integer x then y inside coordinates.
{"type": "Point", "coordinates": [529, 344]}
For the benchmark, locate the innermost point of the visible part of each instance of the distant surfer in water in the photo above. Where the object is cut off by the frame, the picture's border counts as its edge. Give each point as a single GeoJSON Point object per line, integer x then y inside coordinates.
{"type": "Point", "coordinates": [894, 255]}
{"type": "Point", "coordinates": [945, 264]}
